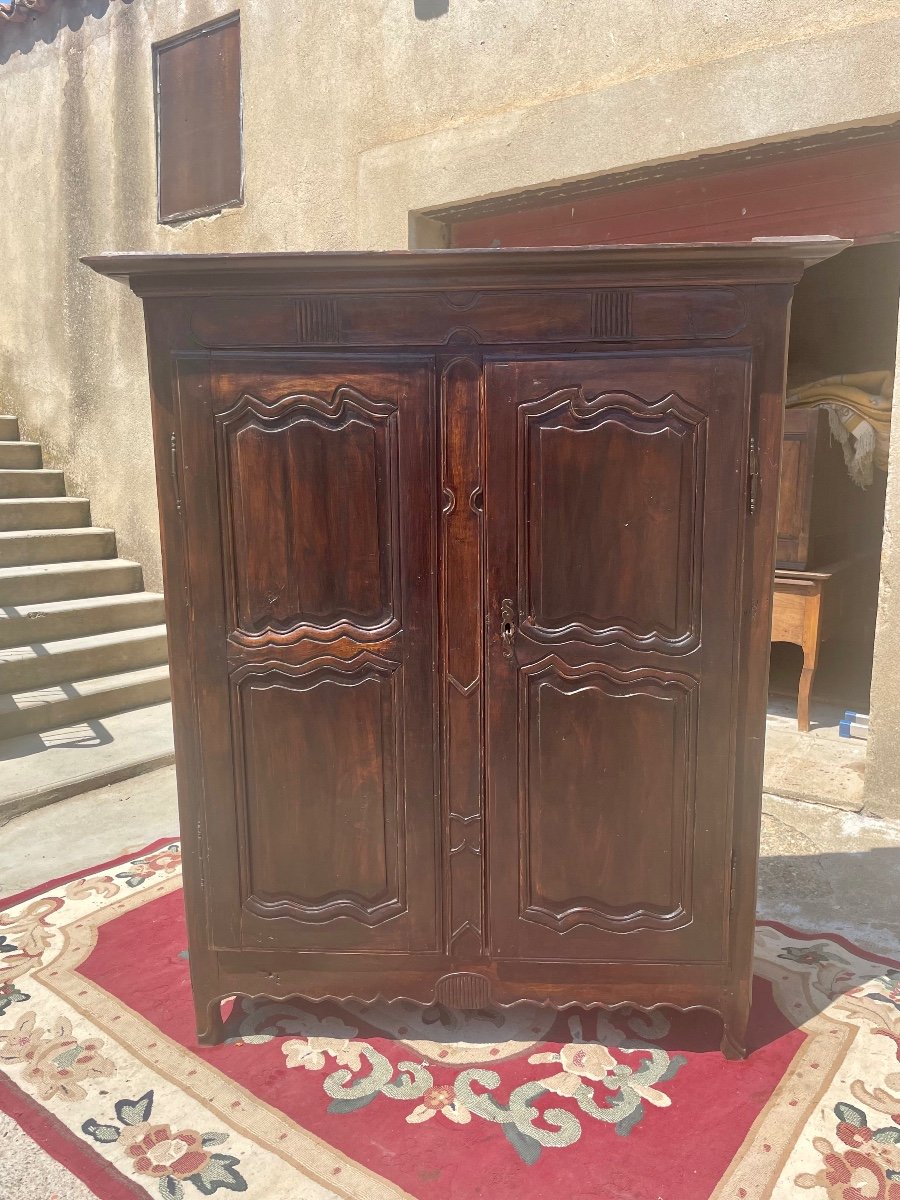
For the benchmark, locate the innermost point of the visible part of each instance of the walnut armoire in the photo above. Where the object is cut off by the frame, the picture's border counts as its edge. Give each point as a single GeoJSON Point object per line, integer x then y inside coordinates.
{"type": "Point", "coordinates": [468, 565]}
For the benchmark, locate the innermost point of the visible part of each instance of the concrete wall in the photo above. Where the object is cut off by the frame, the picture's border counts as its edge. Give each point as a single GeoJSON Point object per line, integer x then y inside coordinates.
{"type": "Point", "coordinates": [883, 756]}
{"type": "Point", "coordinates": [356, 114]}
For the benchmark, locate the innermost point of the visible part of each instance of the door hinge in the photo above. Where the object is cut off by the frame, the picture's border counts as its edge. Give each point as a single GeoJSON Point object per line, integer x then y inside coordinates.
{"type": "Point", "coordinates": [732, 884]}
{"type": "Point", "coordinates": [173, 467]}
{"type": "Point", "coordinates": [752, 476]}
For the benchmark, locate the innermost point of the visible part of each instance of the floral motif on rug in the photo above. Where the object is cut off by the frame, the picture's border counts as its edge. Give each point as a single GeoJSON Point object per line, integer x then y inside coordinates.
{"type": "Point", "coordinates": [306, 1101]}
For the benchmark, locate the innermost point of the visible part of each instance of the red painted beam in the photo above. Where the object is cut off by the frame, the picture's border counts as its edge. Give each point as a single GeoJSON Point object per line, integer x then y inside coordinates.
{"type": "Point", "coordinates": [851, 191]}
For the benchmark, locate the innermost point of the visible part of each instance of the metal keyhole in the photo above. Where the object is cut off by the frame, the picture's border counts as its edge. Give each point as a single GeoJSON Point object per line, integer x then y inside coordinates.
{"type": "Point", "coordinates": [507, 627]}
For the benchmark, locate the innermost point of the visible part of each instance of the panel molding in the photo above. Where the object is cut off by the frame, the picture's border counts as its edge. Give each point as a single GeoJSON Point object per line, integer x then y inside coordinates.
{"type": "Point", "coordinates": [345, 406]}
{"type": "Point", "coordinates": [640, 417]}
{"type": "Point", "coordinates": [304, 677]}
{"type": "Point", "coordinates": [577, 911]}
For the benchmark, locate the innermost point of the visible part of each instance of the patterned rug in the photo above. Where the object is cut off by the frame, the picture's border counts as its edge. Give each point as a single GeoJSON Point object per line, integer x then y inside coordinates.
{"type": "Point", "coordinates": [376, 1102]}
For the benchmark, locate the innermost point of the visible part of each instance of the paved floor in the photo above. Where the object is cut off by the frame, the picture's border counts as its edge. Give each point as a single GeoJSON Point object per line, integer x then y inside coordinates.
{"type": "Point", "coordinates": [820, 765]}
{"type": "Point", "coordinates": [27, 1173]}
{"type": "Point", "coordinates": [43, 768]}
{"type": "Point", "coordinates": [87, 829]}
{"type": "Point", "coordinates": [829, 871]}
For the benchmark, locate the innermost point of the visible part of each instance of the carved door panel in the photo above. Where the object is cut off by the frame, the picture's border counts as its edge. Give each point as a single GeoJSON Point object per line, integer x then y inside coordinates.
{"type": "Point", "coordinates": [310, 494]}
{"type": "Point", "coordinates": [615, 499]}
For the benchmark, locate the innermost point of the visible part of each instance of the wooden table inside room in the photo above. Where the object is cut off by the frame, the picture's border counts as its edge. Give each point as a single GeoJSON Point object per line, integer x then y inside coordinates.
{"type": "Point", "coordinates": [808, 608]}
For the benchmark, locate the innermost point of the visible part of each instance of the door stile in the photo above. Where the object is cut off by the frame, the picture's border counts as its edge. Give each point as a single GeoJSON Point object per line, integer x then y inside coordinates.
{"type": "Point", "coordinates": [218, 816]}
{"type": "Point", "coordinates": [462, 677]}
{"type": "Point", "coordinates": [771, 306]}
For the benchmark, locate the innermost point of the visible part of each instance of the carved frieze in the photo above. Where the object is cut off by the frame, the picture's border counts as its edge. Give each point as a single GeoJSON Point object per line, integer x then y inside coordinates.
{"type": "Point", "coordinates": [474, 318]}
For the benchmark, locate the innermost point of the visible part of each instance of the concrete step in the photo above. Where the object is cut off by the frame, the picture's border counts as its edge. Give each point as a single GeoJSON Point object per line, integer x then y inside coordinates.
{"type": "Point", "coordinates": [53, 707]}
{"type": "Point", "coordinates": [31, 483]}
{"type": "Point", "coordinates": [20, 456]}
{"type": "Point", "coordinates": [55, 546]}
{"type": "Point", "coordinates": [44, 513]}
{"type": "Point", "coordinates": [81, 657]}
{"type": "Point", "coordinates": [9, 428]}
{"type": "Point", "coordinates": [28, 623]}
{"type": "Point", "coordinates": [41, 768]}
{"type": "Point", "coordinates": [68, 581]}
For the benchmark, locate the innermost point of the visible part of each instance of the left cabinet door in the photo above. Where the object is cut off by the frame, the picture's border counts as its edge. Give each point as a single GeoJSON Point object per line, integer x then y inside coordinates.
{"type": "Point", "coordinates": [308, 491]}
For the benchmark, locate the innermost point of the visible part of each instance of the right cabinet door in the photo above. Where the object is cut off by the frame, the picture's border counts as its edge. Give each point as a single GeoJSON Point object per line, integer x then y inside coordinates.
{"type": "Point", "coordinates": [616, 494]}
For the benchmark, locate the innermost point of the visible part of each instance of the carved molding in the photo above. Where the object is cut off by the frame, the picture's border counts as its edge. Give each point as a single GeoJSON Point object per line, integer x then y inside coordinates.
{"type": "Point", "coordinates": [471, 834]}
{"type": "Point", "coordinates": [304, 677]}
{"type": "Point", "coordinates": [611, 314]}
{"type": "Point", "coordinates": [464, 689]}
{"type": "Point", "coordinates": [466, 942]}
{"type": "Point", "coordinates": [487, 992]}
{"type": "Point", "coordinates": [640, 417]}
{"type": "Point", "coordinates": [462, 300]}
{"type": "Point", "coordinates": [462, 335]}
{"type": "Point", "coordinates": [318, 320]}
{"type": "Point", "coordinates": [463, 989]}
{"type": "Point", "coordinates": [588, 911]}
{"type": "Point", "coordinates": [660, 314]}
{"type": "Point", "coordinates": [647, 314]}
{"type": "Point", "coordinates": [346, 405]}
{"type": "Point", "coordinates": [343, 397]}
{"type": "Point", "coordinates": [492, 317]}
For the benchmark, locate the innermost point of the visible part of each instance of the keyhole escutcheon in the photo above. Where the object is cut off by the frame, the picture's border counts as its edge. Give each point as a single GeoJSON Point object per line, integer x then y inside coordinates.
{"type": "Point", "coordinates": [507, 627]}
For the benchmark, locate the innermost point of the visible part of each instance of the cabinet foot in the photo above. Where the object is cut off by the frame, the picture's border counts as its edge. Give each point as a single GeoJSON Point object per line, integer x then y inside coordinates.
{"type": "Point", "coordinates": [734, 1032]}
{"type": "Point", "coordinates": [210, 1027]}
{"type": "Point", "coordinates": [732, 1047]}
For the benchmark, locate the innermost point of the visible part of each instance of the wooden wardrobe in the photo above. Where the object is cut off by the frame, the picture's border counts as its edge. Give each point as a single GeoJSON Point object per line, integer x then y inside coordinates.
{"type": "Point", "coordinates": [468, 562]}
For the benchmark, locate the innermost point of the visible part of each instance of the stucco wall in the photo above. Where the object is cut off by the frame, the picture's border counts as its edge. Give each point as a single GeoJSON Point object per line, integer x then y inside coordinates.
{"type": "Point", "coordinates": [356, 113]}
{"type": "Point", "coordinates": [883, 752]}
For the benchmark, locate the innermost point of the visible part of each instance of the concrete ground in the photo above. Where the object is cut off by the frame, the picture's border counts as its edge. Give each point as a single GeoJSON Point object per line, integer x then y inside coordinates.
{"type": "Point", "coordinates": [822, 870]}
{"type": "Point", "coordinates": [87, 829]}
{"type": "Point", "coordinates": [42, 768]}
{"type": "Point", "coordinates": [828, 871]}
{"type": "Point", "coordinates": [819, 766]}
{"type": "Point", "coordinates": [30, 1174]}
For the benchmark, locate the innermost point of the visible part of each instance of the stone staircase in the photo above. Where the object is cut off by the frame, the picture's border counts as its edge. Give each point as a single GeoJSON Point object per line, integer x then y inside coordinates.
{"type": "Point", "coordinates": [80, 639]}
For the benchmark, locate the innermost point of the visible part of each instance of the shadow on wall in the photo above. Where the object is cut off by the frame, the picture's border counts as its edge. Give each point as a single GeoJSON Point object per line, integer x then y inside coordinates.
{"type": "Point", "coordinates": [426, 9]}
{"type": "Point", "coordinates": [20, 37]}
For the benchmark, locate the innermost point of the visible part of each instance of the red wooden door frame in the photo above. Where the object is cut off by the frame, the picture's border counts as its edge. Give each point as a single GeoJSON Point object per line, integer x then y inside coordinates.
{"type": "Point", "coordinates": [848, 188]}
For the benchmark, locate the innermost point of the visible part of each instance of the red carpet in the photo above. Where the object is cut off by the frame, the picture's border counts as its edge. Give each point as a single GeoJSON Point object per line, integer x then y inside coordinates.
{"type": "Point", "coordinates": [98, 1064]}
